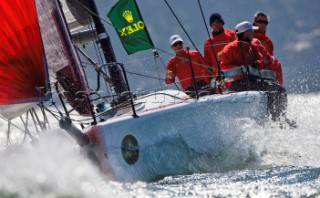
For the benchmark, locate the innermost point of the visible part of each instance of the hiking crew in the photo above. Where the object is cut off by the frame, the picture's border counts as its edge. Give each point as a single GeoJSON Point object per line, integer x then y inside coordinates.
{"type": "Point", "coordinates": [180, 66]}
{"type": "Point", "coordinates": [214, 44]}
{"type": "Point", "coordinates": [246, 54]}
{"type": "Point", "coordinates": [261, 20]}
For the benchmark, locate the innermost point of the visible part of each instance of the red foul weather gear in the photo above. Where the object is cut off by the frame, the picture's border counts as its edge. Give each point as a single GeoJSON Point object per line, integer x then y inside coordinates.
{"type": "Point", "coordinates": [267, 42]}
{"type": "Point", "coordinates": [180, 66]}
{"type": "Point", "coordinates": [240, 53]}
{"type": "Point", "coordinates": [217, 43]}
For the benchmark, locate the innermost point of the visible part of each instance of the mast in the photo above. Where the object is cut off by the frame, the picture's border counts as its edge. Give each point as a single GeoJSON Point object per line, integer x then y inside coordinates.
{"type": "Point", "coordinates": [117, 79]}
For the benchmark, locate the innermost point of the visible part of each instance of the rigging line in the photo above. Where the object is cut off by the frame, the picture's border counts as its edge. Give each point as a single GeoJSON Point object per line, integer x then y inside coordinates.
{"type": "Point", "coordinates": [155, 56]}
{"type": "Point", "coordinates": [212, 45]}
{"type": "Point", "coordinates": [26, 130]}
{"type": "Point", "coordinates": [13, 124]}
{"type": "Point", "coordinates": [34, 120]}
{"type": "Point", "coordinates": [165, 69]}
{"type": "Point", "coordinates": [54, 115]}
{"type": "Point", "coordinates": [86, 8]}
{"type": "Point", "coordinates": [92, 13]}
{"type": "Point", "coordinates": [95, 46]}
{"type": "Point", "coordinates": [8, 133]}
{"type": "Point", "coordinates": [110, 24]}
{"type": "Point", "coordinates": [172, 54]}
{"type": "Point", "coordinates": [144, 58]}
{"type": "Point", "coordinates": [143, 75]}
{"type": "Point", "coordinates": [45, 118]}
{"type": "Point", "coordinates": [58, 111]}
{"type": "Point", "coordinates": [181, 25]}
{"type": "Point", "coordinates": [244, 61]}
{"type": "Point", "coordinates": [95, 65]}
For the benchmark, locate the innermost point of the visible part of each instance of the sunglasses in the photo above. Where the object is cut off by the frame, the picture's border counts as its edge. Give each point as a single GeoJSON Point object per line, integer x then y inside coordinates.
{"type": "Point", "coordinates": [177, 43]}
{"type": "Point", "coordinates": [261, 21]}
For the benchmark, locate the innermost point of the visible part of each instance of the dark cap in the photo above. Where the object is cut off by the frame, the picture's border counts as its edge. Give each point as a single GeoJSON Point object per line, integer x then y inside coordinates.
{"type": "Point", "coordinates": [216, 17]}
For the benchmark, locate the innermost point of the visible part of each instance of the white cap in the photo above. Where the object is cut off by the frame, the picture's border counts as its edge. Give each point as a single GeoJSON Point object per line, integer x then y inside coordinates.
{"type": "Point", "coordinates": [245, 26]}
{"type": "Point", "coordinates": [175, 38]}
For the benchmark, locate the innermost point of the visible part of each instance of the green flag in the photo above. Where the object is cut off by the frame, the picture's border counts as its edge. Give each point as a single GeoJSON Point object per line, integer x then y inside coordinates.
{"type": "Point", "coordinates": [127, 21]}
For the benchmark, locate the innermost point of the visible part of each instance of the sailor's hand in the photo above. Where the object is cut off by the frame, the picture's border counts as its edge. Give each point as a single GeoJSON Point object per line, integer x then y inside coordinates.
{"type": "Point", "coordinates": [222, 83]}
{"type": "Point", "coordinates": [216, 82]}
{"type": "Point", "coordinates": [169, 75]}
{"type": "Point", "coordinates": [257, 64]}
{"type": "Point", "coordinates": [219, 56]}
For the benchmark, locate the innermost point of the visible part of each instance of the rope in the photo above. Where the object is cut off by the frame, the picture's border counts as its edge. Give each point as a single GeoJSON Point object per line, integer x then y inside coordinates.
{"type": "Point", "coordinates": [92, 13]}
{"type": "Point", "coordinates": [165, 68]}
{"type": "Point", "coordinates": [34, 120]}
{"type": "Point", "coordinates": [8, 133]}
{"type": "Point", "coordinates": [181, 25]}
{"type": "Point", "coordinates": [212, 46]}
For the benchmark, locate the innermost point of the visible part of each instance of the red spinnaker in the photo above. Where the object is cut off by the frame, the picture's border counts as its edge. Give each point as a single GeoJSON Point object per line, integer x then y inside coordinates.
{"type": "Point", "coordinates": [23, 70]}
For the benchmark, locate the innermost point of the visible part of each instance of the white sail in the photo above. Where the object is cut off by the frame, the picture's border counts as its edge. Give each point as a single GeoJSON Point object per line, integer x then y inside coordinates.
{"type": "Point", "coordinates": [73, 12]}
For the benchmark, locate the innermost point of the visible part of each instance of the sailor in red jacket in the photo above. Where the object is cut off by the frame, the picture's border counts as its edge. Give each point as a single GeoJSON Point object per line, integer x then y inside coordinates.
{"type": "Point", "coordinates": [261, 20]}
{"type": "Point", "coordinates": [214, 44]}
{"type": "Point", "coordinates": [245, 53]}
{"type": "Point", "coordinates": [179, 65]}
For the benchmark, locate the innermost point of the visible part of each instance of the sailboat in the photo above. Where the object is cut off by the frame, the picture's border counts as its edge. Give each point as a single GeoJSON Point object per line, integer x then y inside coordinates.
{"type": "Point", "coordinates": [130, 136]}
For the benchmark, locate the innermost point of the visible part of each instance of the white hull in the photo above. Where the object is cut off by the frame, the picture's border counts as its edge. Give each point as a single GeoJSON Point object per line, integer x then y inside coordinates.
{"type": "Point", "coordinates": [174, 138]}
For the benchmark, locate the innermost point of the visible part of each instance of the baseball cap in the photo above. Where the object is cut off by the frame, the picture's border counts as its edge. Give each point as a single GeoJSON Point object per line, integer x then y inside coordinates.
{"type": "Point", "coordinates": [245, 26]}
{"type": "Point", "coordinates": [175, 38]}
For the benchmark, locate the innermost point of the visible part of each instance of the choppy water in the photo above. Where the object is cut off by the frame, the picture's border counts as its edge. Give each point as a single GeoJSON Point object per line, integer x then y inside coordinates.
{"type": "Point", "coordinates": [287, 165]}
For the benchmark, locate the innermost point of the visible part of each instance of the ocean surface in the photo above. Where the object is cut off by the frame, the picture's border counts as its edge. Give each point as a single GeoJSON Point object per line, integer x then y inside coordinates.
{"type": "Point", "coordinates": [286, 165]}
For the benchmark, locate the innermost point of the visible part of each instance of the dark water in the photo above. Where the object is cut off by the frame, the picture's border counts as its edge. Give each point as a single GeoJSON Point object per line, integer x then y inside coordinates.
{"type": "Point", "coordinates": [286, 165]}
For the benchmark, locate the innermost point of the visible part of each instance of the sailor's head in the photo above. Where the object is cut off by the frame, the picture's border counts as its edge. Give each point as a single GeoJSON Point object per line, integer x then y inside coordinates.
{"type": "Point", "coordinates": [216, 22]}
{"type": "Point", "coordinates": [244, 31]}
{"type": "Point", "coordinates": [176, 41]}
{"type": "Point", "coordinates": [261, 20]}
{"type": "Point", "coordinates": [216, 18]}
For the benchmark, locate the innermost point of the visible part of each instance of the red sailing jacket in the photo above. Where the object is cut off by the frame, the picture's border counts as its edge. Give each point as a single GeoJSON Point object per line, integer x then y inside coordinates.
{"type": "Point", "coordinates": [240, 53]}
{"type": "Point", "coordinates": [217, 43]}
{"type": "Point", "coordinates": [267, 42]}
{"type": "Point", "coordinates": [180, 66]}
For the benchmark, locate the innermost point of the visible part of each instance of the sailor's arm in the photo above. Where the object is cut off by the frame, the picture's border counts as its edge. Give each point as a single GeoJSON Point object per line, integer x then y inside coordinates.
{"type": "Point", "coordinates": [170, 72]}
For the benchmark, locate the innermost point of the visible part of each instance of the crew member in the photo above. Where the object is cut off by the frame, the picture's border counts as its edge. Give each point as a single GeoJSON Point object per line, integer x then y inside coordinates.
{"type": "Point", "coordinates": [180, 66]}
{"type": "Point", "coordinates": [214, 44]}
{"type": "Point", "coordinates": [244, 52]}
{"type": "Point", "coordinates": [262, 20]}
